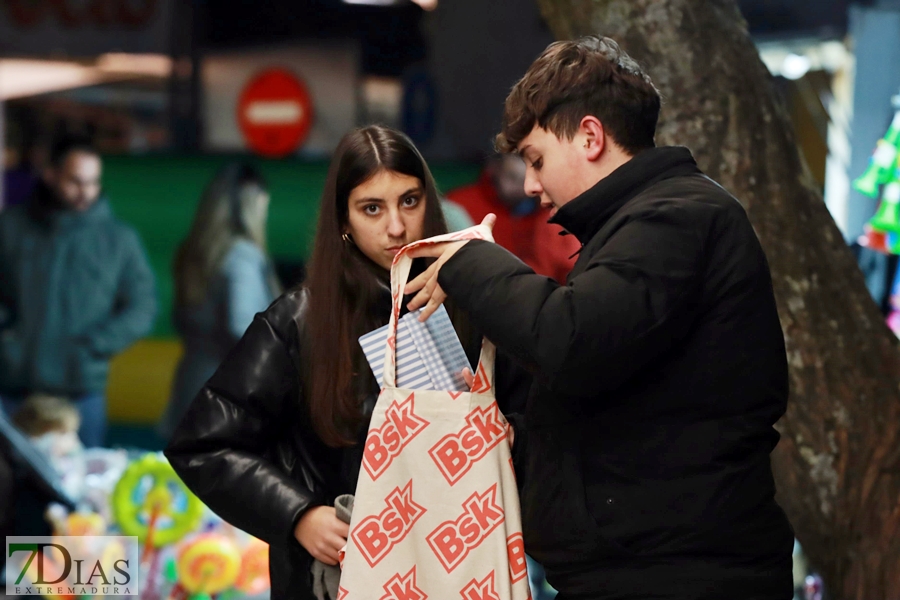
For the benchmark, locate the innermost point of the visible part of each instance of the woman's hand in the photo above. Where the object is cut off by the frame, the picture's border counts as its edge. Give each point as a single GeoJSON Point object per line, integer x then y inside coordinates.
{"type": "Point", "coordinates": [322, 533]}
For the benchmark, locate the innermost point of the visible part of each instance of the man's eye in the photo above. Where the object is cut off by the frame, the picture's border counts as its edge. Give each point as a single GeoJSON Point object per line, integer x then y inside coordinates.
{"type": "Point", "coordinates": [536, 165]}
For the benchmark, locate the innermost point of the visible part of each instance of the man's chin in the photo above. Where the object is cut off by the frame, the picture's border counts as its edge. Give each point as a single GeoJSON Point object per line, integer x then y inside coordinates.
{"type": "Point", "coordinates": [80, 207]}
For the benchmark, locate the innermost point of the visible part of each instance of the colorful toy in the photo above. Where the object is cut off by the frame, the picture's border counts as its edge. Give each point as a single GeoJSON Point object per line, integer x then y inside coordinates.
{"type": "Point", "coordinates": [882, 232]}
{"type": "Point", "coordinates": [208, 564]}
{"type": "Point", "coordinates": [881, 167]}
{"type": "Point", "coordinates": [893, 321]}
{"type": "Point", "coordinates": [874, 240]}
{"type": "Point", "coordinates": [887, 217]}
{"type": "Point", "coordinates": [152, 503]}
{"type": "Point", "coordinates": [74, 524]}
{"type": "Point", "coordinates": [52, 569]}
{"type": "Point", "coordinates": [85, 524]}
{"type": "Point", "coordinates": [813, 588]}
{"type": "Point", "coordinates": [177, 592]}
{"type": "Point", "coordinates": [254, 576]}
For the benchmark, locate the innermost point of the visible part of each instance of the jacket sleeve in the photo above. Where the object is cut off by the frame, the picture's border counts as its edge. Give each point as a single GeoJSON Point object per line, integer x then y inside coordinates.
{"type": "Point", "coordinates": [633, 302]}
{"type": "Point", "coordinates": [135, 304]}
{"type": "Point", "coordinates": [222, 446]}
{"type": "Point", "coordinates": [512, 383]}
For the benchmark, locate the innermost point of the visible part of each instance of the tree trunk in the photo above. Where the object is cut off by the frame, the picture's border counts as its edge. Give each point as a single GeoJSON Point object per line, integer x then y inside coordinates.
{"type": "Point", "coordinates": [837, 464]}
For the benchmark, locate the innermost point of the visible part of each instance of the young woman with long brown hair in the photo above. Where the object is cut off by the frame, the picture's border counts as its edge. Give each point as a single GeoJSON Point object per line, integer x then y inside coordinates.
{"type": "Point", "coordinates": [277, 433]}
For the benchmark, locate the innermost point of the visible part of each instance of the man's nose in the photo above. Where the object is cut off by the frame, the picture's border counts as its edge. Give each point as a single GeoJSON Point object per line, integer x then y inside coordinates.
{"type": "Point", "coordinates": [532, 185]}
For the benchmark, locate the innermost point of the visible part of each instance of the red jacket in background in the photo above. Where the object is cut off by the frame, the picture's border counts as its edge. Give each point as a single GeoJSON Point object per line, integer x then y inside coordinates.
{"type": "Point", "coordinates": [530, 237]}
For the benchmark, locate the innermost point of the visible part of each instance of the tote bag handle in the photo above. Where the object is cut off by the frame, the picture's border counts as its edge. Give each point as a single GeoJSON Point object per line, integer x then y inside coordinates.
{"type": "Point", "coordinates": [400, 268]}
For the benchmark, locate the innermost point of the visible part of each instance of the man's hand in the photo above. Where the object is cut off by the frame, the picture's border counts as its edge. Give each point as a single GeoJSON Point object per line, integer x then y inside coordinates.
{"type": "Point", "coordinates": [322, 533]}
{"type": "Point", "coordinates": [430, 295]}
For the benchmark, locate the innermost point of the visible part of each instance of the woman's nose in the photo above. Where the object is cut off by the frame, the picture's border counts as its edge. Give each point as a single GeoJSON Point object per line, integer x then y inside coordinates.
{"type": "Point", "coordinates": [396, 226]}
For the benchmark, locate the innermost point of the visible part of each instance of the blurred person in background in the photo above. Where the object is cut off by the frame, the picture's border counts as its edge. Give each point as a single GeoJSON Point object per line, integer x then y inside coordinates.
{"type": "Point", "coordinates": [51, 424]}
{"type": "Point", "coordinates": [223, 277]}
{"type": "Point", "coordinates": [278, 432]}
{"type": "Point", "coordinates": [456, 216]}
{"type": "Point", "coordinates": [521, 226]}
{"type": "Point", "coordinates": [75, 289]}
{"type": "Point", "coordinates": [21, 172]}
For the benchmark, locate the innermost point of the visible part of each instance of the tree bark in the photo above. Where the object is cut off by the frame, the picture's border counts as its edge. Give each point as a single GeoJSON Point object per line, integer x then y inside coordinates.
{"type": "Point", "coordinates": [837, 464]}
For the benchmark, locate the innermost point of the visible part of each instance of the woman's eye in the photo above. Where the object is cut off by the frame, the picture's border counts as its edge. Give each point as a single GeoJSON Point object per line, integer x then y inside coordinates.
{"type": "Point", "coordinates": [372, 209]}
{"type": "Point", "coordinates": [410, 201]}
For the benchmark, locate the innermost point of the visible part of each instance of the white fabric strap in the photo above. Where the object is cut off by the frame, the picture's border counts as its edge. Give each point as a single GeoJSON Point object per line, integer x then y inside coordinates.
{"type": "Point", "coordinates": [484, 374]}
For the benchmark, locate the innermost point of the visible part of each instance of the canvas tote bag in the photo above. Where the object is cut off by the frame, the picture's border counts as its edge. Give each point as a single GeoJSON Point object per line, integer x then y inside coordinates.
{"type": "Point", "coordinates": [436, 513]}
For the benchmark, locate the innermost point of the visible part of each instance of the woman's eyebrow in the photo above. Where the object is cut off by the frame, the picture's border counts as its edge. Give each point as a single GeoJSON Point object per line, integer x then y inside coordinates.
{"type": "Point", "coordinates": [368, 200]}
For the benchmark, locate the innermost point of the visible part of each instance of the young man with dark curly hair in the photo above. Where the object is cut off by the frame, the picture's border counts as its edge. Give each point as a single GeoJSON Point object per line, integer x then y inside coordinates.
{"type": "Point", "coordinates": [660, 367]}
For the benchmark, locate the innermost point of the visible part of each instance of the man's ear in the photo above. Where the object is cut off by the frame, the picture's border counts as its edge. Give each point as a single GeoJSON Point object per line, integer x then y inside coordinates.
{"type": "Point", "coordinates": [593, 133]}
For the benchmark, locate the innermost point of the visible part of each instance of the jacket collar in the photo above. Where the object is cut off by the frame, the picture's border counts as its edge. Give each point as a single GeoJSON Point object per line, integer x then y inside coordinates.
{"type": "Point", "coordinates": [586, 214]}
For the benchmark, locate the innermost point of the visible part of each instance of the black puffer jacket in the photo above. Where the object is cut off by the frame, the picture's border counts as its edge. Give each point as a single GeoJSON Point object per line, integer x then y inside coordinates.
{"type": "Point", "coordinates": [246, 445]}
{"type": "Point", "coordinates": [660, 370]}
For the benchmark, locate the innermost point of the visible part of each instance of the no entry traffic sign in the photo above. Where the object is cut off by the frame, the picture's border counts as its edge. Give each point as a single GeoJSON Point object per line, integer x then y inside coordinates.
{"type": "Point", "coordinates": [275, 113]}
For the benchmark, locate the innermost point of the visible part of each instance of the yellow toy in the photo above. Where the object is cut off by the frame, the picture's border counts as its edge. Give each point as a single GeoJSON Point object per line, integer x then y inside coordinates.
{"type": "Point", "coordinates": [254, 577]}
{"type": "Point", "coordinates": [209, 564]}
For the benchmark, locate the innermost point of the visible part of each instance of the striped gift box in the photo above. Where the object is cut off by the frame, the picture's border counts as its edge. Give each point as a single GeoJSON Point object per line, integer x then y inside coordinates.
{"type": "Point", "coordinates": [429, 355]}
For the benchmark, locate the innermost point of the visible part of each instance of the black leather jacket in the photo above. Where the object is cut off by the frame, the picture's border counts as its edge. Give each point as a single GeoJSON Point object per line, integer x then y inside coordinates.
{"type": "Point", "coordinates": [246, 446]}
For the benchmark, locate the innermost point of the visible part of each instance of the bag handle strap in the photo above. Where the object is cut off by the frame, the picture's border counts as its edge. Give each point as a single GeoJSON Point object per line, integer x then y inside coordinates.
{"type": "Point", "coordinates": [484, 374]}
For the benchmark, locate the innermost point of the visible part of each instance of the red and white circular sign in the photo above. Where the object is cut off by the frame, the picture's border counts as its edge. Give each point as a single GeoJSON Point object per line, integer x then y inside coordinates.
{"type": "Point", "coordinates": [275, 113]}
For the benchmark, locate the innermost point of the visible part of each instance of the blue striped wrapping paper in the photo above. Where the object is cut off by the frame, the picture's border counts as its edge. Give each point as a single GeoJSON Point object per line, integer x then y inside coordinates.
{"type": "Point", "coordinates": [429, 355]}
